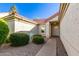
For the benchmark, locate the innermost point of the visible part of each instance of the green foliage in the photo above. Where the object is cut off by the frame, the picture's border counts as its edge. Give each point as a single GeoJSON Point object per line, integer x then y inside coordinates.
{"type": "Point", "coordinates": [7, 40]}
{"type": "Point", "coordinates": [38, 39]}
{"type": "Point", "coordinates": [4, 31]}
{"type": "Point", "coordinates": [19, 39]}
{"type": "Point", "coordinates": [42, 31]}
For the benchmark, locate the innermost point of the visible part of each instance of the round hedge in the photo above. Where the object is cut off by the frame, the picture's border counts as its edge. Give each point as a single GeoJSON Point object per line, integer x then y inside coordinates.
{"type": "Point", "coordinates": [4, 31]}
{"type": "Point", "coordinates": [38, 39]}
{"type": "Point", "coordinates": [19, 39]}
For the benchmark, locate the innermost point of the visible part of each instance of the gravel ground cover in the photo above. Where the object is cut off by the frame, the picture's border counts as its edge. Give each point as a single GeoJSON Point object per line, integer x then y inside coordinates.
{"type": "Point", "coordinates": [28, 50]}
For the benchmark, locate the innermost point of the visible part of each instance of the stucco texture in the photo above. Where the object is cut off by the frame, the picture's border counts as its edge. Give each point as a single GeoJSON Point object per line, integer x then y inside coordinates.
{"type": "Point", "coordinates": [69, 30]}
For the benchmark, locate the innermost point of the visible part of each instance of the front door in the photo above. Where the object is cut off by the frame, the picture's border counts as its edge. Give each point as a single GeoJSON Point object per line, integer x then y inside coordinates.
{"type": "Point", "coordinates": [54, 29]}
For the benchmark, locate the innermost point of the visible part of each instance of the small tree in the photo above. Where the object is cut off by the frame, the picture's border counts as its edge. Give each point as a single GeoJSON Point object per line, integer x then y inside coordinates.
{"type": "Point", "coordinates": [4, 31]}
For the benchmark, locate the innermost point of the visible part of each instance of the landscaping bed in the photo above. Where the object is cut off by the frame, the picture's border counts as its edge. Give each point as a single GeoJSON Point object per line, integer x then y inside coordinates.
{"type": "Point", "coordinates": [27, 50]}
{"type": "Point", "coordinates": [30, 49]}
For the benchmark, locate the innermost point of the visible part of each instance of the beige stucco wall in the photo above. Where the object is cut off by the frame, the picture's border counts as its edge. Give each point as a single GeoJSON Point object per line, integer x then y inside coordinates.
{"type": "Point", "coordinates": [27, 27]}
{"type": "Point", "coordinates": [69, 30]}
{"type": "Point", "coordinates": [42, 27]}
{"type": "Point", "coordinates": [23, 26]}
{"type": "Point", "coordinates": [47, 29]}
{"type": "Point", "coordinates": [11, 25]}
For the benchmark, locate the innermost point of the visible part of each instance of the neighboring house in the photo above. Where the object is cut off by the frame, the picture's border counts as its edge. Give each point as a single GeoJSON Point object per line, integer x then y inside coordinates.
{"type": "Point", "coordinates": [69, 27]}
{"type": "Point", "coordinates": [18, 23]}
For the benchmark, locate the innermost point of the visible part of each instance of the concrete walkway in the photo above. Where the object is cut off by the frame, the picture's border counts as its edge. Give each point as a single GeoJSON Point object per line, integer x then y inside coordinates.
{"type": "Point", "coordinates": [53, 47]}
{"type": "Point", "coordinates": [49, 49]}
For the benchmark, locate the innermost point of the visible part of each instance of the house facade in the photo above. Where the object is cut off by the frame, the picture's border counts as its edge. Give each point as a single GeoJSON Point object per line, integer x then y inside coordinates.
{"type": "Point", "coordinates": [50, 26]}
{"type": "Point", "coordinates": [69, 27]}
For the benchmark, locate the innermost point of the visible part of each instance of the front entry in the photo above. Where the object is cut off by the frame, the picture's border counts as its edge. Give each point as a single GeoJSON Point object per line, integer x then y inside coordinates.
{"type": "Point", "coordinates": [54, 28]}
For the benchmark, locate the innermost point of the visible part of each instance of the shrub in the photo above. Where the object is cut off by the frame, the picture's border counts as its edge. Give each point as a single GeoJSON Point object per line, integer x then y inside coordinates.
{"type": "Point", "coordinates": [19, 39]}
{"type": "Point", "coordinates": [38, 39]}
{"type": "Point", "coordinates": [4, 31]}
{"type": "Point", "coordinates": [7, 40]}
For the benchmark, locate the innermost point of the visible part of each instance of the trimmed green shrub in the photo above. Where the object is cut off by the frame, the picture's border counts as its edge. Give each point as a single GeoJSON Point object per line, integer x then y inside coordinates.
{"type": "Point", "coordinates": [19, 39]}
{"type": "Point", "coordinates": [4, 31]}
{"type": "Point", "coordinates": [38, 39]}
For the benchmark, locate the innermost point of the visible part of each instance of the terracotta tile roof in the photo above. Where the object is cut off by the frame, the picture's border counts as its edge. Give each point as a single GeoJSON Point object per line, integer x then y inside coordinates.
{"type": "Point", "coordinates": [21, 18]}
{"type": "Point", "coordinates": [25, 19]}
{"type": "Point", "coordinates": [40, 21]}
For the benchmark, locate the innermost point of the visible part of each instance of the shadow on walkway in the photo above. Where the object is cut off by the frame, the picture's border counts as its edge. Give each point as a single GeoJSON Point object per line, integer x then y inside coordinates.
{"type": "Point", "coordinates": [60, 50]}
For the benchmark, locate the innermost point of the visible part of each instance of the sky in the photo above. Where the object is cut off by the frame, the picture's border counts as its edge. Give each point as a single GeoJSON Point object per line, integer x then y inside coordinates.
{"type": "Point", "coordinates": [32, 10]}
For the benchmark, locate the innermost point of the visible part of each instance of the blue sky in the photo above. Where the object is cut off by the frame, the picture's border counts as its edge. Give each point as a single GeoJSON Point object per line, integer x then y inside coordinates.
{"type": "Point", "coordinates": [32, 10]}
